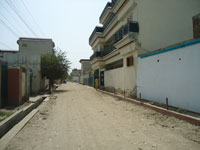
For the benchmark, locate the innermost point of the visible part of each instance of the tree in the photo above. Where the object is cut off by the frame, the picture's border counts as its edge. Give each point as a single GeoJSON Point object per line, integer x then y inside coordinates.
{"type": "Point", "coordinates": [54, 66]}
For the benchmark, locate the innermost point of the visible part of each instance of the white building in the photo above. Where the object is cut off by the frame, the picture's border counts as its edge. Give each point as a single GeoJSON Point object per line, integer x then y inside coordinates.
{"type": "Point", "coordinates": [28, 56]}
{"type": "Point", "coordinates": [133, 27]}
{"type": "Point", "coordinates": [86, 68]}
{"type": "Point", "coordinates": [75, 74]}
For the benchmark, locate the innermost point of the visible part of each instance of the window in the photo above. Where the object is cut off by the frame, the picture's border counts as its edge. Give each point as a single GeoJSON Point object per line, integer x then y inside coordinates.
{"type": "Point", "coordinates": [129, 61]}
{"type": "Point", "coordinates": [24, 45]}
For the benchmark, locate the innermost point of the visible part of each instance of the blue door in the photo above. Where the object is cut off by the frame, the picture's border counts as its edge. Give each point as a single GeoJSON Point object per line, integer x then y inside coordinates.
{"type": "Point", "coordinates": [90, 81]}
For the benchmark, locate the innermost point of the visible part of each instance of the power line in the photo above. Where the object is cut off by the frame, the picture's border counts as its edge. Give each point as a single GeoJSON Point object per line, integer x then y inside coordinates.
{"type": "Point", "coordinates": [10, 23]}
{"type": "Point", "coordinates": [5, 45]}
{"type": "Point", "coordinates": [14, 19]}
{"type": "Point", "coordinates": [12, 31]}
{"type": "Point", "coordinates": [13, 7]}
{"type": "Point", "coordinates": [32, 16]}
{"type": "Point", "coordinates": [26, 16]}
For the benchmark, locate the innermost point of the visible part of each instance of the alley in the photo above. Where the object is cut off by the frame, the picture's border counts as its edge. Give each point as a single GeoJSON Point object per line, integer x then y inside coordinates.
{"type": "Point", "coordinates": [78, 117]}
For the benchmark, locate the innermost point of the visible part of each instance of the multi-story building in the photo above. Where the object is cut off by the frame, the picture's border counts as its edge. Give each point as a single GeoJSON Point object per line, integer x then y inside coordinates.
{"type": "Point", "coordinates": [85, 71]}
{"type": "Point", "coordinates": [28, 56]}
{"type": "Point", "coordinates": [132, 27]}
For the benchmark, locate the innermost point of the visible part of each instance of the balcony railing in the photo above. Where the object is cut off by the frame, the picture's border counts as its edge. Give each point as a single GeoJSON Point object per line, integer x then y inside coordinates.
{"type": "Point", "coordinates": [108, 5]}
{"type": "Point", "coordinates": [96, 29]}
{"type": "Point", "coordinates": [113, 2]}
{"type": "Point", "coordinates": [101, 29]}
{"type": "Point", "coordinates": [96, 55]}
{"type": "Point", "coordinates": [109, 21]}
{"type": "Point", "coordinates": [108, 50]}
{"type": "Point", "coordinates": [128, 28]}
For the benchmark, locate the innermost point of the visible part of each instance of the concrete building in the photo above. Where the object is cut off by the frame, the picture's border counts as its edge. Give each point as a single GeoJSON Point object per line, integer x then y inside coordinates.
{"type": "Point", "coordinates": [75, 74]}
{"type": "Point", "coordinates": [86, 69]}
{"type": "Point", "coordinates": [28, 56]}
{"type": "Point", "coordinates": [133, 27]}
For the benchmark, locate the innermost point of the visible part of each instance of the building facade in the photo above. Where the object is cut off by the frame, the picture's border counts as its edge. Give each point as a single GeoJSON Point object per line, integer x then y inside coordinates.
{"type": "Point", "coordinates": [133, 27]}
{"type": "Point", "coordinates": [75, 74]}
{"type": "Point", "coordinates": [85, 71]}
{"type": "Point", "coordinates": [28, 57]}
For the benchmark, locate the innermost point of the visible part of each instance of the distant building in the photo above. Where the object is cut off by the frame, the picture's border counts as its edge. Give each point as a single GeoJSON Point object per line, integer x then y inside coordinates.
{"type": "Point", "coordinates": [28, 56]}
{"type": "Point", "coordinates": [76, 73]}
{"type": "Point", "coordinates": [86, 68]}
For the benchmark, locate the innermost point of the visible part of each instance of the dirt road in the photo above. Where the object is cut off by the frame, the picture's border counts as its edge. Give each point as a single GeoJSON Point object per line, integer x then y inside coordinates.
{"type": "Point", "coordinates": [79, 118]}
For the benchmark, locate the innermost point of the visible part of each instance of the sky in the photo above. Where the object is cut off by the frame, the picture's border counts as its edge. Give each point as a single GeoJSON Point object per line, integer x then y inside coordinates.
{"type": "Point", "coordinates": [68, 22]}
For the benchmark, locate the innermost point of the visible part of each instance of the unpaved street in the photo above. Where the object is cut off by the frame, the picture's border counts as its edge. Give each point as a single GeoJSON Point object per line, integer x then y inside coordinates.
{"type": "Point", "coordinates": [78, 117]}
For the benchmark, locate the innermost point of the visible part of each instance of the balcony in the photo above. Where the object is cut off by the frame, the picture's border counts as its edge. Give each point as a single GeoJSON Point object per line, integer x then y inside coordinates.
{"type": "Point", "coordinates": [128, 28]}
{"type": "Point", "coordinates": [101, 29]}
{"type": "Point", "coordinates": [113, 2]}
{"type": "Point", "coordinates": [109, 21]}
{"type": "Point", "coordinates": [108, 50]}
{"type": "Point", "coordinates": [96, 55]}
{"type": "Point", "coordinates": [96, 30]}
{"type": "Point", "coordinates": [108, 5]}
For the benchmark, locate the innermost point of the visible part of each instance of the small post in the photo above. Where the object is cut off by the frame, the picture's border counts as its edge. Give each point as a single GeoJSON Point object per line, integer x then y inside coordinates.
{"type": "Point", "coordinates": [140, 97]}
{"type": "Point", "coordinates": [167, 103]}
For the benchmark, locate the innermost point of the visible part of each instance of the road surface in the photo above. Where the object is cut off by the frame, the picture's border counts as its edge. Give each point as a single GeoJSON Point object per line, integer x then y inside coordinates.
{"type": "Point", "coordinates": [78, 117]}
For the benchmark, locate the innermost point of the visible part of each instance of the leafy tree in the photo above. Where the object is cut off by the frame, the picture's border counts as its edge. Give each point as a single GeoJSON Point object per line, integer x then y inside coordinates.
{"type": "Point", "coordinates": [54, 66]}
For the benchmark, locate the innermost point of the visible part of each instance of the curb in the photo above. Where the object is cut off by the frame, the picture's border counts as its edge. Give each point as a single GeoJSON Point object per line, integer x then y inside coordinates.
{"type": "Point", "coordinates": [12, 132]}
{"type": "Point", "coordinates": [187, 118]}
{"type": "Point", "coordinates": [12, 120]}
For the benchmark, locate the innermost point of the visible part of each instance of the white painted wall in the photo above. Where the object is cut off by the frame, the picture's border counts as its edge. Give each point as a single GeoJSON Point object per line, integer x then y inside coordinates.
{"type": "Point", "coordinates": [122, 78]}
{"type": "Point", "coordinates": [165, 22]}
{"type": "Point", "coordinates": [179, 80]}
{"type": "Point", "coordinates": [76, 79]}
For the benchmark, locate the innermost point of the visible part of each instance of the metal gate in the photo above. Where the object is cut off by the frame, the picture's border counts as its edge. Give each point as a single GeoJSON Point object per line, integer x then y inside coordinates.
{"type": "Point", "coordinates": [102, 78]}
{"type": "Point", "coordinates": [90, 81]}
{"type": "Point", "coordinates": [4, 86]}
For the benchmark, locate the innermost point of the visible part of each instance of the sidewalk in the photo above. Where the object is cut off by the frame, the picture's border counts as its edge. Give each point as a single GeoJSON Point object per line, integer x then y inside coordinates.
{"type": "Point", "coordinates": [19, 114]}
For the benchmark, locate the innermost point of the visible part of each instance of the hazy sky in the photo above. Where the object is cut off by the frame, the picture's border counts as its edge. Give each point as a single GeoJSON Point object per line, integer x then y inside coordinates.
{"type": "Point", "coordinates": [68, 22]}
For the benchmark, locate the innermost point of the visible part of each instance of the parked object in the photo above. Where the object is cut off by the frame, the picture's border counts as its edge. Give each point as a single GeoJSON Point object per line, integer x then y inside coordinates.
{"type": "Point", "coordinates": [14, 86]}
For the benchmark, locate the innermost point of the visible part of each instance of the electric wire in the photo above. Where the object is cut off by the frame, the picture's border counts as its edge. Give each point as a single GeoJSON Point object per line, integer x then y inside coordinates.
{"type": "Point", "coordinates": [13, 18]}
{"type": "Point", "coordinates": [25, 6]}
{"type": "Point", "coordinates": [13, 7]}
{"type": "Point", "coordinates": [26, 16]}
{"type": "Point", "coordinates": [10, 24]}
{"type": "Point", "coordinates": [12, 31]}
{"type": "Point", "coordinates": [5, 45]}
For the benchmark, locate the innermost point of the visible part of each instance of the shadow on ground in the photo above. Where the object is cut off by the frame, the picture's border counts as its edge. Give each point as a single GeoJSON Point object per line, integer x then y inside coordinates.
{"type": "Point", "coordinates": [60, 91]}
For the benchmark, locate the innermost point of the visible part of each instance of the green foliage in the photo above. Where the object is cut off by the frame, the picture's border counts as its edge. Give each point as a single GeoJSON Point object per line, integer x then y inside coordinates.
{"type": "Point", "coordinates": [55, 66]}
